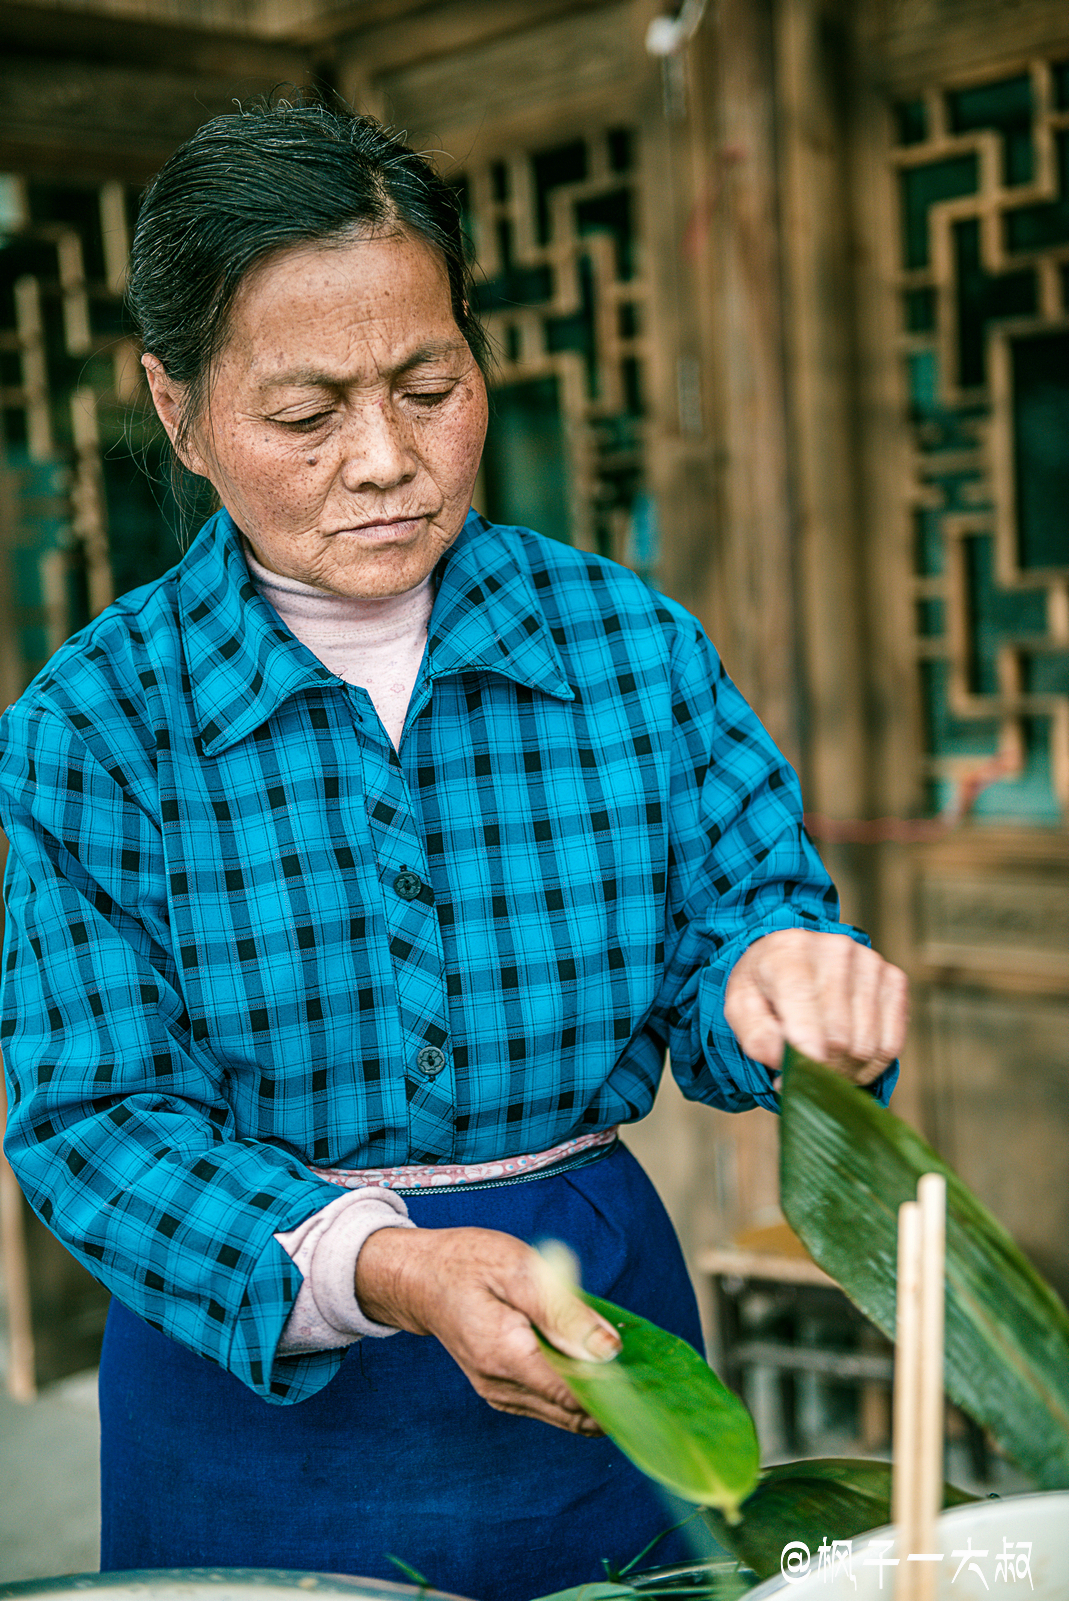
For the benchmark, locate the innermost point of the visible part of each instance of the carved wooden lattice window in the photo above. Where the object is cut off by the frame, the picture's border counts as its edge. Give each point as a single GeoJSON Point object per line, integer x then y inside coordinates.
{"type": "Point", "coordinates": [984, 189]}
{"type": "Point", "coordinates": [82, 521]}
{"type": "Point", "coordinates": [556, 233]}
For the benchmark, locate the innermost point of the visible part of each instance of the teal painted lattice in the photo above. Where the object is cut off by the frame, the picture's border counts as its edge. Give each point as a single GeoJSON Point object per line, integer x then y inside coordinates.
{"type": "Point", "coordinates": [557, 238]}
{"type": "Point", "coordinates": [80, 522]}
{"type": "Point", "coordinates": [983, 173]}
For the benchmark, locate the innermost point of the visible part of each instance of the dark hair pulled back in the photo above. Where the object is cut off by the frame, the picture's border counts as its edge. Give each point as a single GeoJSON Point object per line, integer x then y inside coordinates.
{"type": "Point", "coordinates": [267, 179]}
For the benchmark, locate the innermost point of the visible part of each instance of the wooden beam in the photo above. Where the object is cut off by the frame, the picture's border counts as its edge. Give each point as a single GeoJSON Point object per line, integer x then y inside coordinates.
{"type": "Point", "coordinates": [980, 37]}
{"type": "Point", "coordinates": [57, 32]}
{"type": "Point", "coordinates": [111, 120]}
{"type": "Point", "coordinates": [388, 37]}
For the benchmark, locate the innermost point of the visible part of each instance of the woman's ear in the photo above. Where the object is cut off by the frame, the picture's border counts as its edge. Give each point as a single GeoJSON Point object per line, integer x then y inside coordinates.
{"type": "Point", "coordinates": [169, 401]}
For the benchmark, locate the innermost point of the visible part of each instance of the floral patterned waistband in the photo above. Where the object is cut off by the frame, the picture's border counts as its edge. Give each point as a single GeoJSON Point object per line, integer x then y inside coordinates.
{"type": "Point", "coordinates": [509, 1170]}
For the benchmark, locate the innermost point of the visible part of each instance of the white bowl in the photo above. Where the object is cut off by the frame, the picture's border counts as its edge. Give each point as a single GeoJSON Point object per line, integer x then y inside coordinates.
{"type": "Point", "coordinates": [1026, 1533]}
{"type": "Point", "coordinates": [213, 1584]}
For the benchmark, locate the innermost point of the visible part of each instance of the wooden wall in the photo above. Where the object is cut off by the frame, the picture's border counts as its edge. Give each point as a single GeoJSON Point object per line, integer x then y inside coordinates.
{"type": "Point", "coordinates": [111, 97]}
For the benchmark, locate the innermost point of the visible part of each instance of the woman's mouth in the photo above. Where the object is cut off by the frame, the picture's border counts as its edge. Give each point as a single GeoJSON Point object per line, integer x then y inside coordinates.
{"type": "Point", "coordinates": [383, 531]}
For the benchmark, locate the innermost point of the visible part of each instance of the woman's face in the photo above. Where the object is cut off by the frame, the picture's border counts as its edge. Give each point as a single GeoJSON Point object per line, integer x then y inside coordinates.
{"type": "Point", "coordinates": [345, 417]}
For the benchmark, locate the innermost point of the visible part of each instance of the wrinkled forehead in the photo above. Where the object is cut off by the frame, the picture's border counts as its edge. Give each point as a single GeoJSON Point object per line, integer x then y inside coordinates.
{"type": "Point", "coordinates": [373, 304]}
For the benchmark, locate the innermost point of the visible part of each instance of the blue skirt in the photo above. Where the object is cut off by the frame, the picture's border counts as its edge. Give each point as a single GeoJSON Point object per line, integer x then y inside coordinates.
{"type": "Point", "coordinates": [397, 1456]}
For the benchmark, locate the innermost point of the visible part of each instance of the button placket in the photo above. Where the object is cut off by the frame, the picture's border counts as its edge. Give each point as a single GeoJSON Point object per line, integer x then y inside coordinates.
{"type": "Point", "coordinates": [416, 952]}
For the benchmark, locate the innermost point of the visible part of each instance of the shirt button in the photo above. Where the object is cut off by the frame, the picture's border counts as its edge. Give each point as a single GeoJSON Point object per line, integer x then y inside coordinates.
{"type": "Point", "coordinates": [408, 885]}
{"type": "Point", "coordinates": [430, 1061]}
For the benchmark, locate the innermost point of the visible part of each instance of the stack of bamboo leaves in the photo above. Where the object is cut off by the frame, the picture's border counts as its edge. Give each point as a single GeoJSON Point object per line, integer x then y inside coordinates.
{"type": "Point", "coordinates": [847, 1164]}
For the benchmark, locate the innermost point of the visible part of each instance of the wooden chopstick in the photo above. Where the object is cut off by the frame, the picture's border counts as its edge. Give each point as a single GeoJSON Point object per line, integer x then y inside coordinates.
{"type": "Point", "coordinates": [932, 1197]}
{"type": "Point", "coordinates": [906, 1393]}
{"type": "Point", "coordinates": [917, 1475]}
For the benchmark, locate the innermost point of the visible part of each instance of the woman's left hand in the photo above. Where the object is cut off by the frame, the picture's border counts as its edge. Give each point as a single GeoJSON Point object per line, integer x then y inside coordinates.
{"type": "Point", "coordinates": [831, 998]}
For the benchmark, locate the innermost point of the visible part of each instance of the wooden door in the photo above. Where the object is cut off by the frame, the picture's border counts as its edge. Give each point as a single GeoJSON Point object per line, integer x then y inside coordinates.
{"type": "Point", "coordinates": [876, 237]}
{"type": "Point", "coordinates": [974, 547]}
{"type": "Point", "coordinates": [924, 178]}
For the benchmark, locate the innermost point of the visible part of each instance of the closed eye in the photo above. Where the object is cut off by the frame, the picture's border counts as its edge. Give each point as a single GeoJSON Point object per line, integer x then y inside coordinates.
{"type": "Point", "coordinates": [305, 425]}
{"type": "Point", "coordinates": [429, 397]}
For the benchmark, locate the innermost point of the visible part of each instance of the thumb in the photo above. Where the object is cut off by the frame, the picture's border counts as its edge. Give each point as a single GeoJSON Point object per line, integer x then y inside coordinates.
{"type": "Point", "coordinates": [566, 1321]}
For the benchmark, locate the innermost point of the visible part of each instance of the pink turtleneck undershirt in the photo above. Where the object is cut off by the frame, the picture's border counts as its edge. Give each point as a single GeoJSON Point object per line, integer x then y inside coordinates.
{"type": "Point", "coordinates": [377, 644]}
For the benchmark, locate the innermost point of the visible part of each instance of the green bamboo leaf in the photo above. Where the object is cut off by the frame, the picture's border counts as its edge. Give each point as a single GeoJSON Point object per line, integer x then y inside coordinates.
{"type": "Point", "coordinates": [667, 1410]}
{"type": "Point", "coordinates": [832, 1498]}
{"type": "Point", "coordinates": [708, 1579]}
{"type": "Point", "coordinates": [846, 1164]}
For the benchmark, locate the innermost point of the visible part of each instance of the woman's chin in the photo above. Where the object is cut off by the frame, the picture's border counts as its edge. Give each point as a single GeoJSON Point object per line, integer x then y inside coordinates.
{"type": "Point", "coordinates": [373, 571]}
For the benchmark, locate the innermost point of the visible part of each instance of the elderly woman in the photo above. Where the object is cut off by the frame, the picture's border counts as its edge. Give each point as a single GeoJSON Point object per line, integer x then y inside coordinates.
{"type": "Point", "coordinates": [363, 868]}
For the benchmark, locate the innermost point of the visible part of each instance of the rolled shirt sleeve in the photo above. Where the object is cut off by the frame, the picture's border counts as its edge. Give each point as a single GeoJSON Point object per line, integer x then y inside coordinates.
{"type": "Point", "coordinates": [744, 867]}
{"type": "Point", "coordinates": [119, 1126]}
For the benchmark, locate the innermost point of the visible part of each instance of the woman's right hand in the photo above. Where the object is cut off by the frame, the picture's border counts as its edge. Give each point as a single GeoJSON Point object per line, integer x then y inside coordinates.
{"type": "Point", "coordinates": [479, 1292]}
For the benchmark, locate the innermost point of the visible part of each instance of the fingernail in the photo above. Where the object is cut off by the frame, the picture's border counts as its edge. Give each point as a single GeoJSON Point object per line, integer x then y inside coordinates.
{"type": "Point", "coordinates": [601, 1344]}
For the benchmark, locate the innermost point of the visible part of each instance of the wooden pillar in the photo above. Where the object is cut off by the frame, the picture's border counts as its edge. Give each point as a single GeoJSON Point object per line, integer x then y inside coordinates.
{"type": "Point", "coordinates": [816, 93]}
{"type": "Point", "coordinates": [742, 581]}
{"type": "Point", "coordinates": [784, 589]}
{"type": "Point", "coordinates": [752, 581]}
{"type": "Point", "coordinates": [21, 1381]}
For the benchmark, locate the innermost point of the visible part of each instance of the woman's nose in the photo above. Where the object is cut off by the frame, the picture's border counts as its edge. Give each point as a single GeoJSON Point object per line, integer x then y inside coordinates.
{"type": "Point", "coordinates": [377, 452]}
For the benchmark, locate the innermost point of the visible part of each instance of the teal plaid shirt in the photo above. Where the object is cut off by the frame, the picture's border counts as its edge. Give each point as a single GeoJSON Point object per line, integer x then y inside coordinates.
{"type": "Point", "coordinates": [246, 935]}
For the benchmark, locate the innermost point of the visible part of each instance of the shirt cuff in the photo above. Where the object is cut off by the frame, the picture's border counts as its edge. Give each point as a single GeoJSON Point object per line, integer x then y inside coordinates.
{"type": "Point", "coordinates": [326, 1314]}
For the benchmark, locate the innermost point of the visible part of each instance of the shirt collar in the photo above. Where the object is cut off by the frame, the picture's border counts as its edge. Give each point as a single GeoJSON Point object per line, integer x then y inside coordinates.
{"type": "Point", "coordinates": [487, 615]}
{"type": "Point", "coordinates": [243, 663]}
